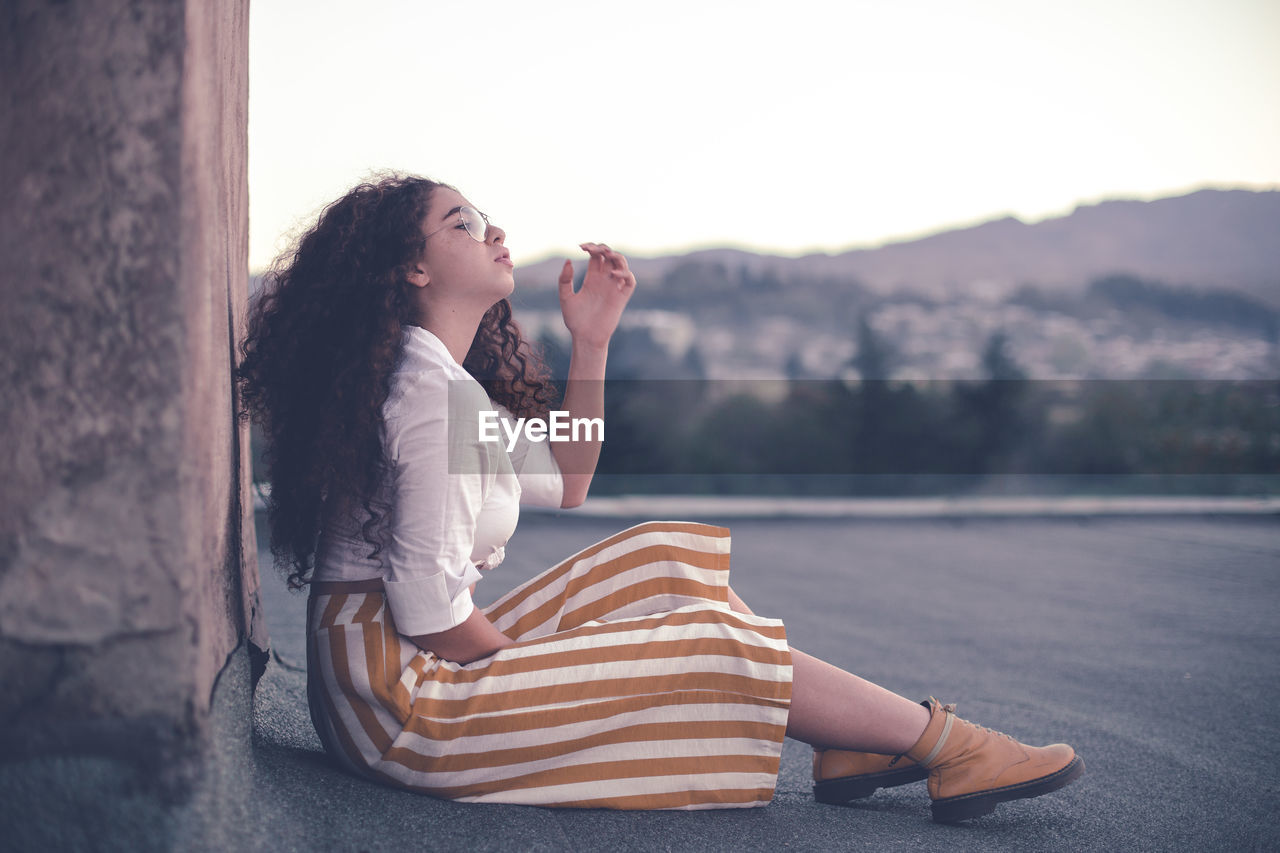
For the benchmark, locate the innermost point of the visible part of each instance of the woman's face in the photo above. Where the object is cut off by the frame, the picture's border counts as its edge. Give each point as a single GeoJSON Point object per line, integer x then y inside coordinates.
{"type": "Point", "coordinates": [454, 266]}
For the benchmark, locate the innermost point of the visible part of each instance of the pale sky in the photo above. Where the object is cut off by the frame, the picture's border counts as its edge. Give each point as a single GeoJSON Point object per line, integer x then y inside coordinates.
{"type": "Point", "coordinates": [783, 127]}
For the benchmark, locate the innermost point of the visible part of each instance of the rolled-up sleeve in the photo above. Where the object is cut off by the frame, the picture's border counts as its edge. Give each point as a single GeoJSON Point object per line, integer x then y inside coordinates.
{"type": "Point", "coordinates": [439, 482]}
{"type": "Point", "coordinates": [541, 483]}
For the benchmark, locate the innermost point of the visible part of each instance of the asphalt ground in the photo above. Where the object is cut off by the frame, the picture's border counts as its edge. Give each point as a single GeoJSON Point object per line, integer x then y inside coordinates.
{"type": "Point", "coordinates": [1152, 645]}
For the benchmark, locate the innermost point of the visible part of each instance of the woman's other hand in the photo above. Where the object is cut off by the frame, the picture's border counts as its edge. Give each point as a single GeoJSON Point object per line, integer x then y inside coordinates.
{"type": "Point", "coordinates": [470, 641]}
{"type": "Point", "coordinates": [592, 313]}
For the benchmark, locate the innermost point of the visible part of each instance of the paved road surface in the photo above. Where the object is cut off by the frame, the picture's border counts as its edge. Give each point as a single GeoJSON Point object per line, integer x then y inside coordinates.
{"type": "Point", "coordinates": [1150, 644]}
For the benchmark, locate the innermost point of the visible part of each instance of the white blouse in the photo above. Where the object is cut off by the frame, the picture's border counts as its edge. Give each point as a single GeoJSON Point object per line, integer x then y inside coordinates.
{"type": "Point", "coordinates": [454, 499]}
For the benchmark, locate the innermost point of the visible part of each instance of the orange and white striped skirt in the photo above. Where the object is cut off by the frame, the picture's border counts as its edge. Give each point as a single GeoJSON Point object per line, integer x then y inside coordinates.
{"type": "Point", "coordinates": [631, 685]}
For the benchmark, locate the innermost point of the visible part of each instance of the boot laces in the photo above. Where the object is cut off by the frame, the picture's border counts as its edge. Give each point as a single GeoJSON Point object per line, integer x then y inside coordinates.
{"type": "Point", "coordinates": [951, 708]}
{"type": "Point", "coordinates": [992, 732]}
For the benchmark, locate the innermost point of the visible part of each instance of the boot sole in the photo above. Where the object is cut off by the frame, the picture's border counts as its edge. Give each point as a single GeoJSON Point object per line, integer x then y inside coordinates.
{"type": "Point", "coordinates": [965, 806]}
{"type": "Point", "coordinates": [836, 792]}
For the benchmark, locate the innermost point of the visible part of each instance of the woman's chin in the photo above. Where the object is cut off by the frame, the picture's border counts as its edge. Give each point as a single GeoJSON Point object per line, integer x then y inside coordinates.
{"type": "Point", "coordinates": [503, 296]}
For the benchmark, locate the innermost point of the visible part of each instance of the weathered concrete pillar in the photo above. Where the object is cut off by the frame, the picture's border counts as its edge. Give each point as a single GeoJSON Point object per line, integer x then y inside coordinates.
{"type": "Point", "coordinates": [128, 577]}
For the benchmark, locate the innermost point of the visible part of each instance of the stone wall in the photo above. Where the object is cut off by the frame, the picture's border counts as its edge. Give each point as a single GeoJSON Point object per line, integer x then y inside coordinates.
{"type": "Point", "coordinates": [128, 577]}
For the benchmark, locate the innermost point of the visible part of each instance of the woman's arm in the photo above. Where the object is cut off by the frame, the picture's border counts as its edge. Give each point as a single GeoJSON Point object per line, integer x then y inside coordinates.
{"type": "Point", "coordinates": [583, 398]}
{"type": "Point", "coordinates": [473, 639]}
{"type": "Point", "coordinates": [591, 315]}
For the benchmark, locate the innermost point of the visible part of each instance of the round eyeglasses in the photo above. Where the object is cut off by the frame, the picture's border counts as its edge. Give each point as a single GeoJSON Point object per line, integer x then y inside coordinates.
{"type": "Point", "coordinates": [473, 220]}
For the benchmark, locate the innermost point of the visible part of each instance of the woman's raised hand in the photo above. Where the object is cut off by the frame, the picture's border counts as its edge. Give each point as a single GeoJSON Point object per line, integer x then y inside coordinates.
{"type": "Point", "coordinates": [592, 313]}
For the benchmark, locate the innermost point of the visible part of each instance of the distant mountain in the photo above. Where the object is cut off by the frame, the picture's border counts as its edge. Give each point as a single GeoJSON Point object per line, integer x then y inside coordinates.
{"type": "Point", "coordinates": [1219, 239]}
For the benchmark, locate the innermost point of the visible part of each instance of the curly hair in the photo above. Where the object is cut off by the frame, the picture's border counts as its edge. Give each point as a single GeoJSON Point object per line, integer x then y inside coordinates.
{"type": "Point", "coordinates": [325, 335]}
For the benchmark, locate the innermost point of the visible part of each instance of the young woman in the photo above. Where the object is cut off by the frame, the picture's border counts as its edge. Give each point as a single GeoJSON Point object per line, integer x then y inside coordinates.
{"type": "Point", "coordinates": [629, 676]}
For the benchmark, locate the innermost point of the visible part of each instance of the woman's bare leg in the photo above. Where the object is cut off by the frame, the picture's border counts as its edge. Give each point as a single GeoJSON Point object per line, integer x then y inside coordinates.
{"type": "Point", "coordinates": [831, 708]}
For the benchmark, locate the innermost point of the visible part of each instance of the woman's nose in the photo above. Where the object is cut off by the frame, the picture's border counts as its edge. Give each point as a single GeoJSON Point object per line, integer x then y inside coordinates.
{"type": "Point", "coordinates": [496, 234]}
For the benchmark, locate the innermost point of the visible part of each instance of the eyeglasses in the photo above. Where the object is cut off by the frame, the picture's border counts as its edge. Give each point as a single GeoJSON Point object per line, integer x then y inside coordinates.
{"type": "Point", "coordinates": [475, 222]}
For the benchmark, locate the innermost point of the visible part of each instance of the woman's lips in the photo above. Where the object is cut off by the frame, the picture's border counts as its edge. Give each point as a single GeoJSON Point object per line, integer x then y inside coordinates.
{"type": "Point", "coordinates": [506, 261]}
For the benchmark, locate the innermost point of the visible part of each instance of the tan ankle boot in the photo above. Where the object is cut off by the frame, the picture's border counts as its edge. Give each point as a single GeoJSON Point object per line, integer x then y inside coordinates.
{"type": "Point", "coordinates": [840, 775]}
{"type": "Point", "coordinates": [972, 768]}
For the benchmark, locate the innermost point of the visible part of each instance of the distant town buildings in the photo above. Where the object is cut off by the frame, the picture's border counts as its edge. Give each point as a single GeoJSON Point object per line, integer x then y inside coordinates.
{"type": "Point", "coordinates": [945, 341]}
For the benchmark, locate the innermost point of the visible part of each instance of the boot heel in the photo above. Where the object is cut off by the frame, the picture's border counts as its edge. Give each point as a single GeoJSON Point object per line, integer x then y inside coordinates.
{"type": "Point", "coordinates": [839, 791]}
{"type": "Point", "coordinates": [836, 792]}
{"type": "Point", "coordinates": [944, 812]}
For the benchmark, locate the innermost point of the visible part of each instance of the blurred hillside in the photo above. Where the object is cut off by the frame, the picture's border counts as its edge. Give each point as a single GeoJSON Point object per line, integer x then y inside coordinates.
{"type": "Point", "coordinates": [1208, 239]}
{"type": "Point", "coordinates": [1185, 287]}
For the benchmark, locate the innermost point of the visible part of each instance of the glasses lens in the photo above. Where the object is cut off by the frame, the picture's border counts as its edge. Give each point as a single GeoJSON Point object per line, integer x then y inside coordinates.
{"type": "Point", "coordinates": [475, 222]}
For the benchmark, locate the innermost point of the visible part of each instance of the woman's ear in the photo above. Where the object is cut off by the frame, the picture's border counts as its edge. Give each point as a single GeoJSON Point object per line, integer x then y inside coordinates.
{"type": "Point", "coordinates": [418, 276]}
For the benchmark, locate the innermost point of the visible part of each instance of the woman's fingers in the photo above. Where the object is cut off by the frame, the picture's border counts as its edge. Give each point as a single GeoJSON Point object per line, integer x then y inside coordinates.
{"type": "Point", "coordinates": [601, 251]}
{"type": "Point", "coordinates": [598, 259]}
{"type": "Point", "coordinates": [607, 260]}
{"type": "Point", "coordinates": [597, 251]}
{"type": "Point", "coordinates": [625, 278]}
{"type": "Point", "coordinates": [618, 259]}
{"type": "Point", "coordinates": [565, 282]}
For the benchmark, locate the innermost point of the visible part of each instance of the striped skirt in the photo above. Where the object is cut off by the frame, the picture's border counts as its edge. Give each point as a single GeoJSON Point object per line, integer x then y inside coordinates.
{"type": "Point", "coordinates": [631, 685]}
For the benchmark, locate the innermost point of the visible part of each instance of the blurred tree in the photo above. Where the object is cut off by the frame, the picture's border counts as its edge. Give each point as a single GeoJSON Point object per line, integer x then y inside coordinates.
{"type": "Point", "coordinates": [875, 356]}
{"type": "Point", "coordinates": [875, 421]}
{"type": "Point", "coordinates": [692, 366]}
{"type": "Point", "coordinates": [997, 363]}
{"type": "Point", "coordinates": [991, 424]}
{"type": "Point", "coordinates": [811, 428]}
{"type": "Point", "coordinates": [794, 368]}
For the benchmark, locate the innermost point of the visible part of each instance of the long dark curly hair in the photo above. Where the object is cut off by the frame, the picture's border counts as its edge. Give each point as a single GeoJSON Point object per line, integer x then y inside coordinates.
{"type": "Point", "coordinates": [324, 338]}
